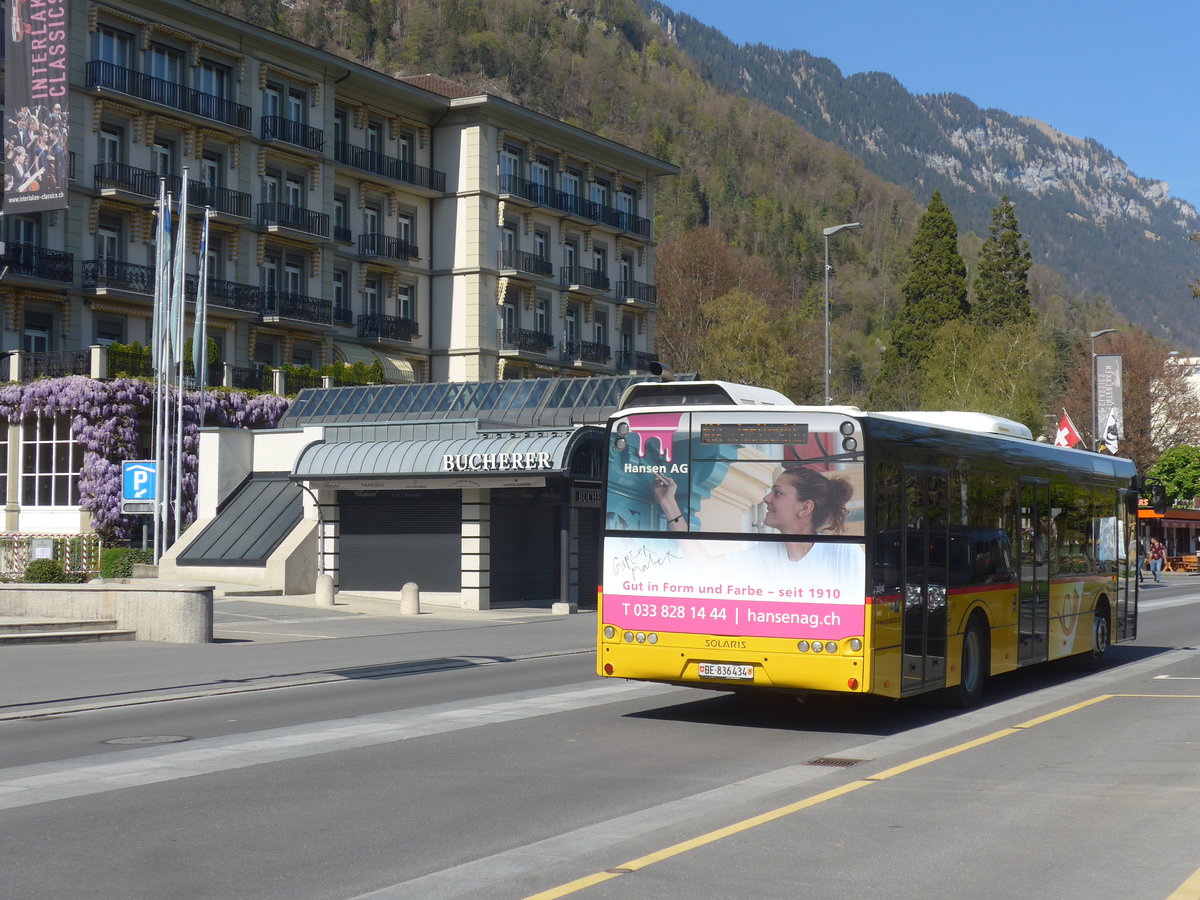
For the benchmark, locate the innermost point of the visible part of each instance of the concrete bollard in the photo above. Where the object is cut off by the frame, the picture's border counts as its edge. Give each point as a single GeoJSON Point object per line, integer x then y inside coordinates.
{"type": "Point", "coordinates": [410, 599]}
{"type": "Point", "coordinates": [324, 590]}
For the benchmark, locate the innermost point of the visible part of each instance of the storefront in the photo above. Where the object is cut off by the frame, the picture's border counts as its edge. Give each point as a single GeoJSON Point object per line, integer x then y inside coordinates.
{"type": "Point", "coordinates": [481, 494]}
{"type": "Point", "coordinates": [1178, 529]}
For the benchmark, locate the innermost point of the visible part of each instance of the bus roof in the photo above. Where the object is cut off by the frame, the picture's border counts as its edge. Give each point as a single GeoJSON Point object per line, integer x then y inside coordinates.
{"type": "Point", "coordinates": [980, 423]}
{"type": "Point", "coordinates": [700, 393]}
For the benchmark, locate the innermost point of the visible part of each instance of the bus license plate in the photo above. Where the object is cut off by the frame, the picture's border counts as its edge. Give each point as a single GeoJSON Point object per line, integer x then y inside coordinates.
{"type": "Point", "coordinates": [726, 670]}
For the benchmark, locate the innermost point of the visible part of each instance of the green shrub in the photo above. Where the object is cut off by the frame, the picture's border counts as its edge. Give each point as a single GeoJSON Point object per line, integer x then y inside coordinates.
{"type": "Point", "coordinates": [118, 562]}
{"type": "Point", "coordinates": [45, 571]}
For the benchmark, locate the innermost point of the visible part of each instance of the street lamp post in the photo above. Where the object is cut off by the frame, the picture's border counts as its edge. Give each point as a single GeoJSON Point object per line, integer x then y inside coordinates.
{"type": "Point", "coordinates": [1095, 423]}
{"type": "Point", "coordinates": [831, 230]}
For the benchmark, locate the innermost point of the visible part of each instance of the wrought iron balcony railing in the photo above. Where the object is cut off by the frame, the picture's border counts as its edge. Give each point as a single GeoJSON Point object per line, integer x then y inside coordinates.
{"type": "Point", "coordinates": [637, 290]}
{"type": "Point", "coordinates": [122, 276]}
{"type": "Point", "coordinates": [29, 259]}
{"type": "Point", "coordinates": [525, 340]}
{"type": "Point", "coordinates": [146, 87]}
{"type": "Point", "coordinates": [523, 261]}
{"type": "Point", "coordinates": [574, 205]}
{"type": "Point", "coordinates": [377, 327]}
{"type": "Point", "coordinates": [144, 182]}
{"type": "Point", "coordinates": [635, 360]}
{"type": "Point", "coordinates": [585, 351]}
{"type": "Point", "coordinates": [229, 294]}
{"type": "Point", "coordinates": [298, 218]}
{"type": "Point", "coordinates": [382, 245]}
{"type": "Point", "coordinates": [289, 305]}
{"type": "Point", "coordinates": [583, 277]}
{"type": "Point", "coordinates": [277, 128]}
{"type": "Point", "coordinates": [389, 166]}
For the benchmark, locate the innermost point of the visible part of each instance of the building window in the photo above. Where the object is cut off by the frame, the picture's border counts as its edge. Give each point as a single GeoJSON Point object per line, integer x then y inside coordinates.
{"type": "Point", "coordinates": [404, 302]}
{"type": "Point", "coordinates": [304, 355]}
{"type": "Point", "coordinates": [111, 143]}
{"type": "Point", "coordinates": [542, 316]}
{"type": "Point", "coordinates": [570, 183]}
{"type": "Point", "coordinates": [36, 331]}
{"type": "Point", "coordinates": [50, 462]}
{"type": "Point", "coordinates": [23, 231]}
{"type": "Point", "coordinates": [371, 218]}
{"type": "Point", "coordinates": [509, 312]}
{"type": "Point", "coordinates": [264, 352]}
{"type": "Point", "coordinates": [371, 292]}
{"type": "Point", "coordinates": [215, 258]}
{"type": "Point", "coordinates": [339, 293]}
{"type": "Point", "coordinates": [294, 192]}
{"type": "Point", "coordinates": [165, 63]}
{"type": "Point", "coordinates": [162, 157]}
{"type": "Point", "coordinates": [374, 137]}
{"type": "Point", "coordinates": [600, 192]}
{"type": "Point", "coordinates": [4, 461]}
{"type": "Point", "coordinates": [404, 147]}
{"type": "Point", "coordinates": [600, 321]}
{"type": "Point", "coordinates": [115, 47]}
{"type": "Point", "coordinates": [510, 164]}
{"type": "Point", "coordinates": [600, 260]}
{"type": "Point", "coordinates": [404, 228]}
{"type": "Point", "coordinates": [211, 166]}
{"type": "Point", "coordinates": [540, 242]}
{"type": "Point", "coordinates": [297, 106]}
{"type": "Point", "coordinates": [213, 79]}
{"type": "Point", "coordinates": [108, 245]}
{"type": "Point", "coordinates": [572, 324]}
{"type": "Point", "coordinates": [110, 331]}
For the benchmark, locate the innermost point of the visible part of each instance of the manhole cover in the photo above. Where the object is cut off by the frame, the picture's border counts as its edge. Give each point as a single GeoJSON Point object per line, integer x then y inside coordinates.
{"type": "Point", "coordinates": [149, 739]}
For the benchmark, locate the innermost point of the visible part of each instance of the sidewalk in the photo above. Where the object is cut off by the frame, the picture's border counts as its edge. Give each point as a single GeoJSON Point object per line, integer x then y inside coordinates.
{"type": "Point", "coordinates": [271, 642]}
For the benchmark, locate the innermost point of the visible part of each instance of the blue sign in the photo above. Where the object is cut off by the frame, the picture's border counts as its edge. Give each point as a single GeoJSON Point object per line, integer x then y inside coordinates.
{"type": "Point", "coordinates": [139, 480]}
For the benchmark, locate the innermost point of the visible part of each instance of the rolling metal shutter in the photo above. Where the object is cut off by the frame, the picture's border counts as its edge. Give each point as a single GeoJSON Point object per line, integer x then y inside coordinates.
{"type": "Point", "coordinates": [524, 547]}
{"type": "Point", "coordinates": [392, 537]}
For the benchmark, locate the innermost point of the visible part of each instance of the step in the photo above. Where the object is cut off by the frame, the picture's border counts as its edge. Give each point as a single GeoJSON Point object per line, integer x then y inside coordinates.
{"type": "Point", "coordinates": [66, 637]}
{"type": "Point", "coordinates": [22, 625]}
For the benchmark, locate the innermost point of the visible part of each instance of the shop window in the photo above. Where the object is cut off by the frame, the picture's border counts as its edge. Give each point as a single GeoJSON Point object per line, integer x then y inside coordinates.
{"type": "Point", "coordinates": [50, 462]}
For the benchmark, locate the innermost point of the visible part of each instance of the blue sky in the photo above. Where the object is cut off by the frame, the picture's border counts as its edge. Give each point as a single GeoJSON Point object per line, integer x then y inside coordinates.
{"type": "Point", "coordinates": [1120, 73]}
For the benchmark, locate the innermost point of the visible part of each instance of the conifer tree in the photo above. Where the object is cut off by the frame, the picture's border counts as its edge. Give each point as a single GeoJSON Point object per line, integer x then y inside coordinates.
{"type": "Point", "coordinates": [934, 293]}
{"type": "Point", "coordinates": [1002, 282]}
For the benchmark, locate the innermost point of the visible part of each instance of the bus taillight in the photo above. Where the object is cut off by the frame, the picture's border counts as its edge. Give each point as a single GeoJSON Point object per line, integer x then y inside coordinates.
{"type": "Point", "coordinates": [852, 683]}
{"type": "Point", "coordinates": [608, 668]}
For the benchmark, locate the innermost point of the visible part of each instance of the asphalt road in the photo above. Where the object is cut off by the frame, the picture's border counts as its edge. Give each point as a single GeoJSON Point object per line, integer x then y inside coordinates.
{"type": "Point", "coordinates": [468, 758]}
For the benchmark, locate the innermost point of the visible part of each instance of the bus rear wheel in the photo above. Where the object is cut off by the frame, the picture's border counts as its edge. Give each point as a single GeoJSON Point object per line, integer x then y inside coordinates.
{"type": "Point", "coordinates": [1101, 638]}
{"type": "Point", "coordinates": [973, 666]}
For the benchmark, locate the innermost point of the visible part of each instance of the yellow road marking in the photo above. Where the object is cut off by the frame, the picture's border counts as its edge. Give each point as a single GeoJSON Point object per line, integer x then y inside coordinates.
{"type": "Point", "coordinates": [1189, 890]}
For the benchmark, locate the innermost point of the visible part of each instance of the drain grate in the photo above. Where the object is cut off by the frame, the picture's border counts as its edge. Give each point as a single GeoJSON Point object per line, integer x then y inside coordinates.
{"type": "Point", "coordinates": [839, 762]}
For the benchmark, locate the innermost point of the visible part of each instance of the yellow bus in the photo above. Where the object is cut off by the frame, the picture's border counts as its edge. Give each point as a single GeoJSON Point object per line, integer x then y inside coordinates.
{"type": "Point", "coordinates": [750, 543]}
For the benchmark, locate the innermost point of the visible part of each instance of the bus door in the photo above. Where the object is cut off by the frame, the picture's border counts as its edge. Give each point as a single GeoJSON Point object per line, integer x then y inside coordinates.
{"type": "Point", "coordinates": [1127, 596]}
{"type": "Point", "coordinates": [1033, 564]}
{"type": "Point", "coordinates": [925, 578]}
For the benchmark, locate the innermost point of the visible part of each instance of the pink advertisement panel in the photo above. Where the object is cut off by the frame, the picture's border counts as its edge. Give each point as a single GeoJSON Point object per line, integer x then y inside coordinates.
{"type": "Point", "coordinates": [734, 588]}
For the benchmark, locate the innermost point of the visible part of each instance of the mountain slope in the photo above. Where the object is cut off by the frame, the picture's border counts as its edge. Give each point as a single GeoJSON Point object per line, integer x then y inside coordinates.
{"type": "Point", "coordinates": [1085, 214]}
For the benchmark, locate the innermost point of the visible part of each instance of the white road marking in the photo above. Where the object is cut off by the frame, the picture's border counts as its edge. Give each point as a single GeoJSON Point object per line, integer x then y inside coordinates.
{"type": "Point", "coordinates": [63, 779]}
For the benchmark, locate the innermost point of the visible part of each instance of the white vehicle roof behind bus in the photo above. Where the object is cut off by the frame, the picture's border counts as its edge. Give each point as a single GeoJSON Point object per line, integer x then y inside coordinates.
{"type": "Point", "coordinates": [700, 393]}
{"type": "Point", "coordinates": [980, 423]}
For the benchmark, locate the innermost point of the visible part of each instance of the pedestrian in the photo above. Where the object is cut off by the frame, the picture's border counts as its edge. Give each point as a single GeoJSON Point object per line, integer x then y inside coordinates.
{"type": "Point", "coordinates": [1141, 561]}
{"type": "Point", "coordinates": [1157, 555]}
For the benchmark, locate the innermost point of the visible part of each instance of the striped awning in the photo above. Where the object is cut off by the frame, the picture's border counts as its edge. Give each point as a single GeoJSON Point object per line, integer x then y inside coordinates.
{"type": "Point", "coordinates": [396, 369]}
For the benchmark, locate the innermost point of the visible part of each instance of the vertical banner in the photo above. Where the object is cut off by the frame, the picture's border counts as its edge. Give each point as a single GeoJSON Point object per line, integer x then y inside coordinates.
{"type": "Point", "coordinates": [36, 106]}
{"type": "Point", "coordinates": [1109, 399]}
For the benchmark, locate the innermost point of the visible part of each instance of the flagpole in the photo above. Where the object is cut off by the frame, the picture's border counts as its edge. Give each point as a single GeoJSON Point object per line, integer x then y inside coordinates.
{"type": "Point", "coordinates": [157, 350]}
{"type": "Point", "coordinates": [200, 334]}
{"type": "Point", "coordinates": [177, 287]}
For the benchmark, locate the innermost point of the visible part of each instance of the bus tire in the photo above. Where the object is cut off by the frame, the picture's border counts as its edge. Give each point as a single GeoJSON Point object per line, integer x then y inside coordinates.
{"type": "Point", "coordinates": [1101, 640]}
{"type": "Point", "coordinates": [973, 665]}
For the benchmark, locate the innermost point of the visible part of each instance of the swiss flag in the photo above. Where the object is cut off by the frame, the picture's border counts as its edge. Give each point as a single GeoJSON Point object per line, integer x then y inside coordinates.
{"type": "Point", "coordinates": [1067, 436]}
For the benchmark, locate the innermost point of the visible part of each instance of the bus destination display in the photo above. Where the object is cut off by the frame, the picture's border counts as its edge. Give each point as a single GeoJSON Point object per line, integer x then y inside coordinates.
{"type": "Point", "coordinates": [751, 433]}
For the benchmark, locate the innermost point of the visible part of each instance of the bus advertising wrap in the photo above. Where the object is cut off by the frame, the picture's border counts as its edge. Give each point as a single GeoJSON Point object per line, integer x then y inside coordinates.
{"type": "Point", "coordinates": [716, 526]}
{"type": "Point", "coordinates": [36, 106]}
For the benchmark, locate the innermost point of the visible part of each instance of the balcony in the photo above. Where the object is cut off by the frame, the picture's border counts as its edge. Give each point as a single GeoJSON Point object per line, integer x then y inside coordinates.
{"type": "Point", "coordinates": [637, 292]}
{"type": "Point", "coordinates": [585, 352]}
{"type": "Point", "coordinates": [156, 90]}
{"type": "Point", "coordinates": [29, 259]}
{"type": "Point", "coordinates": [277, 128]}
{"type": "Point", "coordinates": [342, 234]}
{"type": "Point", "coordinates": [109, 274]}
{"type": "Point", "coordinates": [289, 305]}
{"type": "Point", "coordinates": [523, 262]}
{"type": "Point", "coordinates": [572, 205]}
{"type": "Point", "coordinates": [580, 278]}
{"type": "Point", "coordinates": [144, 183]}
{"type": "Point", "coordinates": [635, 360]}
{"type": "Point", "coordinates": [375, 246]}
{"type": "Point", "coordinates": [297, 218]}
{"type": "Point", "coordinates": [376, 327]}
{"type": "Point", "coordinates": [523, 340]}
{"type": "Point", "coordinates": [227, 294]}
{"type": "Point", "coordinates": [389, 167]}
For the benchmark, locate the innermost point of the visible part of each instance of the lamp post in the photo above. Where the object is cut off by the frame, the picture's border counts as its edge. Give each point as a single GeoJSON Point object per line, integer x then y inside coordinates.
{"type": "Point", "coordinates": [831, 230]}
{"type": "Point", "coordinates": [1095, 423]}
